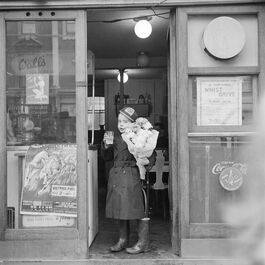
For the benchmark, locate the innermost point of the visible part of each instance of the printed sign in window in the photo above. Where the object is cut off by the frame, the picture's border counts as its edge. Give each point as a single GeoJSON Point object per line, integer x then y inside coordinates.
{"type": "Point", "coordinates": [219, 101]}
{"type": "Point", "coordinates": [50, 180]}
{"type": "Point", "coordinates": [37, 89]}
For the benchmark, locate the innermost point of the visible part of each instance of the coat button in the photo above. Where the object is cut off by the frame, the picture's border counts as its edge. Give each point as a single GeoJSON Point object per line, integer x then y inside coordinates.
{"type": "Point", "coordinates": [114, 186]}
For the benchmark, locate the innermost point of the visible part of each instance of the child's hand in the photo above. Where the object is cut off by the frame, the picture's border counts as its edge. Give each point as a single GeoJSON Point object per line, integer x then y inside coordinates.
{"type": "Point", "coordinates": [108, 139]}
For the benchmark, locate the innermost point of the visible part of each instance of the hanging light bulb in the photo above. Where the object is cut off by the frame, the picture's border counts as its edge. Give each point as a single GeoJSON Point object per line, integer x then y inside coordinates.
{"type": "Point", "coordinates": [125, 77]}
{"type": "Point", "coordinates": [143, 29]}
{"type": "Point", "coordinates": [142, 59]}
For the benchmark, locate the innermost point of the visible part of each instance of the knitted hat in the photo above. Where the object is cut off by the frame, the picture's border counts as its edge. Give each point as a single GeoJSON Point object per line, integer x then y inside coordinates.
{"type": "Point", "coordinates": [129, 113]}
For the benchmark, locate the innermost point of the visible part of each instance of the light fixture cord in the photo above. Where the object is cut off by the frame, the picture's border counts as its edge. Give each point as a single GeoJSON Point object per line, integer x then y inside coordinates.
{"type": "Point", "coordinates": [158, 15]}
{"type": "Point", "coordinates": [129, 18]}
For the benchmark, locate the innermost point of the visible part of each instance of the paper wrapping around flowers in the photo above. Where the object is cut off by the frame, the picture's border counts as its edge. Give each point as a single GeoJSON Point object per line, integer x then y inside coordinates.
{"type": "Point", "coordinates": [141, 144]}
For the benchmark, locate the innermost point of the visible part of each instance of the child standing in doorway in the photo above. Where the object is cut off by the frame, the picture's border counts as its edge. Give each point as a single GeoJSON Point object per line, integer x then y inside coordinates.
{"type": "Point", "coordinates": [124, 197]}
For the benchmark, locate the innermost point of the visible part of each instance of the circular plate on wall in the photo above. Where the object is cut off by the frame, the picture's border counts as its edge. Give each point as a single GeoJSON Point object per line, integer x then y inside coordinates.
{"type": "Point", "coordinates": [224, 37]}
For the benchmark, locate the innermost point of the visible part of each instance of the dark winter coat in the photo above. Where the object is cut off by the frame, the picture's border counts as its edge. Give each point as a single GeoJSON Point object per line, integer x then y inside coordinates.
{"type": "Point", "coordinates": [124, 197]}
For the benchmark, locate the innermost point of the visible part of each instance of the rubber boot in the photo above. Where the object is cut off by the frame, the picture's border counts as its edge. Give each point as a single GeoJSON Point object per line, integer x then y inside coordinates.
{"type": "Point", "coordinates": [143, 238]}
{"type": "Point", "coordinates": [123, 237]}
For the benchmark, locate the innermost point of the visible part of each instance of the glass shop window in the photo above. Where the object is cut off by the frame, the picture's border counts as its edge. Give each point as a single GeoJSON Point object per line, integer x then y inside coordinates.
{"type": "Point", "coordinates": [218, 169]}
{"type": "Point", "coordinates": [221, 117]}
{"type": "Point", "coordinates": [40, 84]}
{"type": "Point", "coordinates": [222, 103]}
{"type": "Point", "coordinates": [41, 125]}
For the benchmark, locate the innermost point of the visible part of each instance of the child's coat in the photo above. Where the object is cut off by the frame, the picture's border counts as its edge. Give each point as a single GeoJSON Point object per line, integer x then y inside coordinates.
{"type": "Point", "coordinates": [124, 197]}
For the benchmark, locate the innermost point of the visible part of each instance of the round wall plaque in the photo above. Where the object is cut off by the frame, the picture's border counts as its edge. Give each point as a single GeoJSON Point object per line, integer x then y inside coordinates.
{"type": "Point", "coordinates": [231, 178]}
{"type": "Point", "coordinates": [224, 37]}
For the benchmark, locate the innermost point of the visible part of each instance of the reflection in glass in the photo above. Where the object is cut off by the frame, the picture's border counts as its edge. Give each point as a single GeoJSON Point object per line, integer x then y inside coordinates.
{"type": "Point", "coordinates": [40, 96]}
{"type": "Point", "coordinates": [40, 83]}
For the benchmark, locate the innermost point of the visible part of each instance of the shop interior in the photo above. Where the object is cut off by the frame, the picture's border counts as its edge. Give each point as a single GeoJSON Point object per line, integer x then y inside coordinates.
{"type": "Point", "coordinates": [144, 62]}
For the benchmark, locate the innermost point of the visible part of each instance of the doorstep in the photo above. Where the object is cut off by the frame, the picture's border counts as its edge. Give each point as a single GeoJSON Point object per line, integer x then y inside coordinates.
{"type": "Point", "coordinates": [132, 261]}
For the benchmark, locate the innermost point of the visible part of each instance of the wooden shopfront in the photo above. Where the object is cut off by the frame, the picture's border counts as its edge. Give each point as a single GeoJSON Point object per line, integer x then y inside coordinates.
{"type": "Point", "coordinates": [207, 144]}
{"type": "Point", "coordinates": [206, 70]}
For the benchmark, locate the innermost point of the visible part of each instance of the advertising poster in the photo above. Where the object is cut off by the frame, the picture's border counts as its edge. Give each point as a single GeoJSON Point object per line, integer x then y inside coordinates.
{"type": "Point", "coordinates": [37, 89]}
{"type": "Point", "coordinates": [219, 101]}
{"type": "Point", "coordinates": [50, 180]}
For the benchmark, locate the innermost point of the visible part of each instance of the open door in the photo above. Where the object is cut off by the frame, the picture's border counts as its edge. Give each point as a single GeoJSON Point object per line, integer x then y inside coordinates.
{"type": "Point", "coordinates": [43, 108]}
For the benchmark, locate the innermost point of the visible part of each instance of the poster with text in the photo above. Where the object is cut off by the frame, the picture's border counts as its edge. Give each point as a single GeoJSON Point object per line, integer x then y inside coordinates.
{"type": "Point", "coordinates": [37, 89]}
{"type": "Point", "coordinates": [50, 180]}
{"type": "Point", "coordinates": [219, 101]}
{"type": "Point", "coordinates": [35, 221]}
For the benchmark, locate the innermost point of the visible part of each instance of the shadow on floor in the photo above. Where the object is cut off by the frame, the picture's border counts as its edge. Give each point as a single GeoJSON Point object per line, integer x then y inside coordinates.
{"type": "Point", "coordinates": [160, 239]}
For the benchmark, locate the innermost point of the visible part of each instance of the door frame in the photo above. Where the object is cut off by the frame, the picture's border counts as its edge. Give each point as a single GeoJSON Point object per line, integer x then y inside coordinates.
{"type": "Point", "coordinates": [49, 242]}
{"type": "Point", "coordinates": [173, 134]}
{"type": "Point", "coordinates": [202, 246]}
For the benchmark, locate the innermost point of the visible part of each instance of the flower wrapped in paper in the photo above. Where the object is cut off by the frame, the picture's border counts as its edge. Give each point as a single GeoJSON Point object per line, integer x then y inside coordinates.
{"type": "Point", "coordinates": [141, 139]}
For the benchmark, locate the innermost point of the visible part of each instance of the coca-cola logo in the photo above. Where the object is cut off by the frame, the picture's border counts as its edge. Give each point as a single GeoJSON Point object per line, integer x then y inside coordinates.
{"type": "Point", "coordinates": [219, 167]}
{"type": "Point", "coordinates": [230, 174]}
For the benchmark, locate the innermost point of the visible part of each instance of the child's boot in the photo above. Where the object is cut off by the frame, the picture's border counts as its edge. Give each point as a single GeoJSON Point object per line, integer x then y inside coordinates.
{"type": "Point", "coordinates": [123, 237]}
{"type": "Point", "coordinates": [143, 238]}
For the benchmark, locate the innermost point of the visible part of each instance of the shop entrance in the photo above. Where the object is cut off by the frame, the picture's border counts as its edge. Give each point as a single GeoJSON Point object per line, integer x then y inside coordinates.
{"type": "Point", "coordinates": [112, 40]}
{"type": "Point", "coordinates": [55, 63]}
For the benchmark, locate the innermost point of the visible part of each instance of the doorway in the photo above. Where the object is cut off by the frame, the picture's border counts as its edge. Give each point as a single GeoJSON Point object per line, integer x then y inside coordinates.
{"type": "Point", "coordinates": [111, 38]}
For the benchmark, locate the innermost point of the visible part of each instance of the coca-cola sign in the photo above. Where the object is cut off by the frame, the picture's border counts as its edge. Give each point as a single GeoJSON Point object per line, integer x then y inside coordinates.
{"type": "Point", "coordinates": [231, 178]}
{"type": "Point", "coordinates": [230, 174]}
{"type": "Point", "coordinates": [220, 166]}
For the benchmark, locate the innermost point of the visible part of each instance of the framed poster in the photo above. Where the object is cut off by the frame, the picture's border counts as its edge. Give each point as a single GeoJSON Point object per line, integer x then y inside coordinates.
{"type": "Point", "coordinates": [50, 181]}
{"type": "Point", "coordinates": [219, 101]}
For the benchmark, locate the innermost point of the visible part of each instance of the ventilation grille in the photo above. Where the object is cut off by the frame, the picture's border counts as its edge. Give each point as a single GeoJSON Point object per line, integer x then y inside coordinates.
{"type": "Point", "coordinates": [11, 217]}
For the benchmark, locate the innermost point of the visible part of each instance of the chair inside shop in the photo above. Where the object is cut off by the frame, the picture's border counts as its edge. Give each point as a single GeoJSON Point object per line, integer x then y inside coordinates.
{"type": "Point", "coordinates": [161, 166]}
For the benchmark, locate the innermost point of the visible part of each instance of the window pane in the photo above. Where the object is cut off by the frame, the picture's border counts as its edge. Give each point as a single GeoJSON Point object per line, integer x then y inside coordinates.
{"type": "Point", "coordinates": [218, 167]}
{"type": "Point", "coordinates": [41, 110]}
{"type": "Point", "coordinates": [222, 102]}
{"type": "Point", "coordinates": [40, 83]}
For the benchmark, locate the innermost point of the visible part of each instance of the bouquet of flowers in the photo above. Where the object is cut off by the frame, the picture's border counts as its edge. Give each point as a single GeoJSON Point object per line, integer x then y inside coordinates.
{"type": "Point", "coordinates": [141, 139]}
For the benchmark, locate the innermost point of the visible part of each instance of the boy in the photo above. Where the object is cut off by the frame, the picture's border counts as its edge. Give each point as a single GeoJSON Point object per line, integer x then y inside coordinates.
{"type": "Point", "coordinates": [124, 197]}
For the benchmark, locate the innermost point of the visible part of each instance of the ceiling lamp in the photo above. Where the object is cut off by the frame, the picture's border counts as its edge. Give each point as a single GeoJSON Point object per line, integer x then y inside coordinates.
{"type": "Point", "coordinates": [142, 59]}
{"type": "Point", "coordinates": [125, 77]}
{"type": "Point", "coordinates": [143, 28]}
